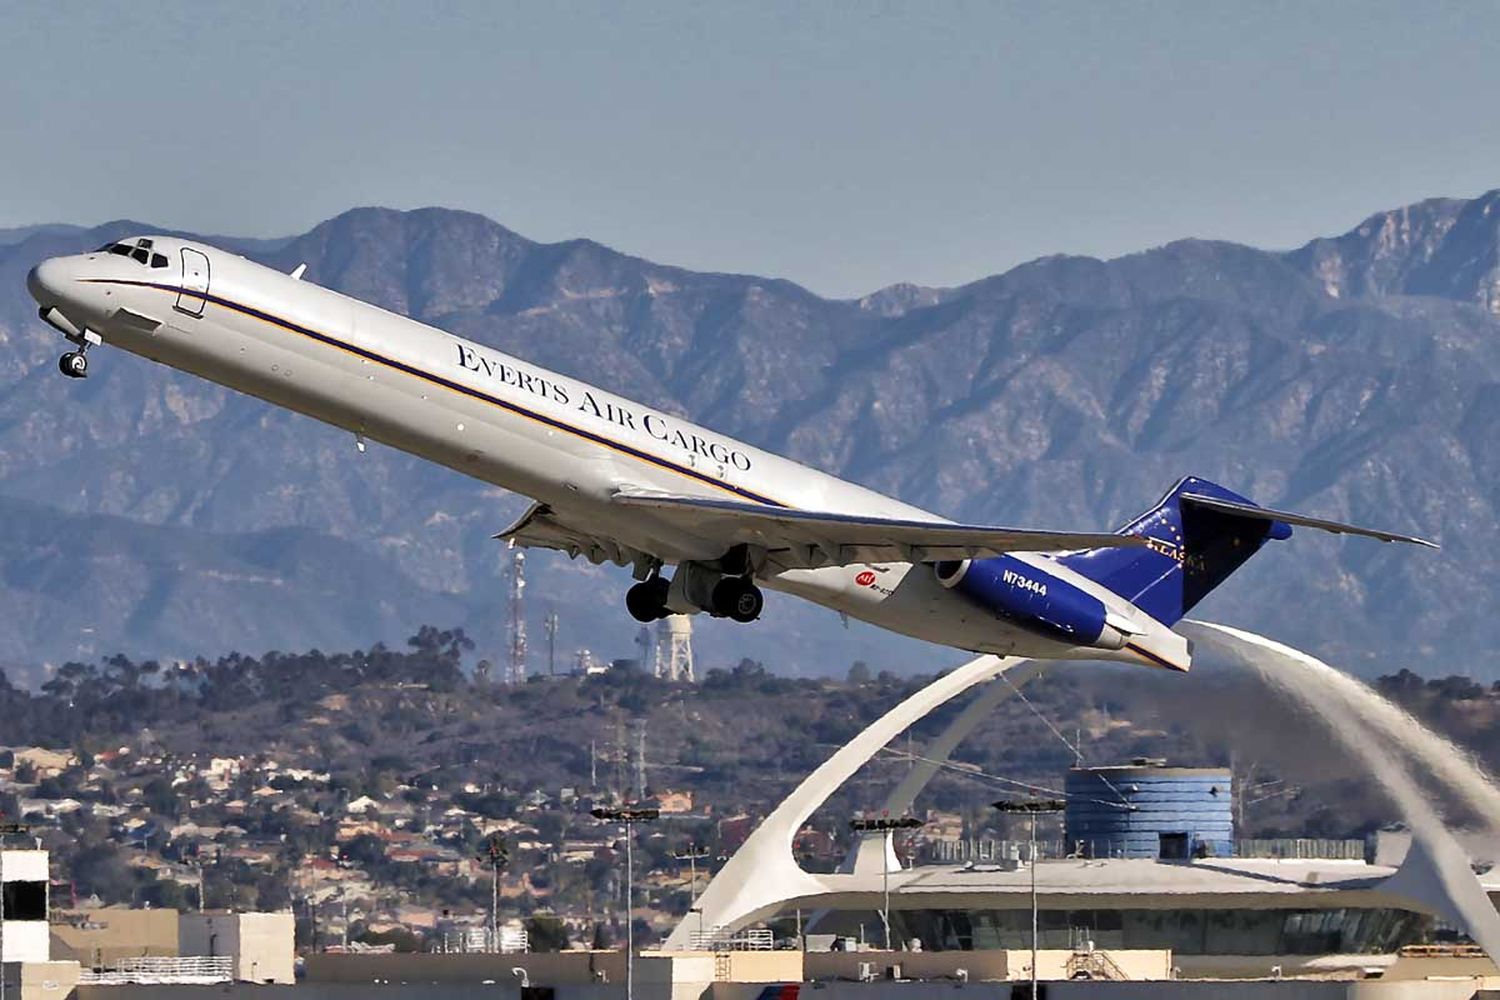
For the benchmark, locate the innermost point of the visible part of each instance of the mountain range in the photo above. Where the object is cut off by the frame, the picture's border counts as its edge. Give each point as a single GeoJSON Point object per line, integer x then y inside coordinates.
{"type": "Point", "coordinates": [1356, 377]}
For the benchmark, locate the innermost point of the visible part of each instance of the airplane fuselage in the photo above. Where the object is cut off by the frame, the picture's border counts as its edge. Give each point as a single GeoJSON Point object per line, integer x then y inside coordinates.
{"type": "Point", "coordinates": [505, 421]}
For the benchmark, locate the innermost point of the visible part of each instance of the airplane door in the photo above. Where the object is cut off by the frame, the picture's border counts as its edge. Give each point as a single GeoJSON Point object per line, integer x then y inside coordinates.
{"type": "Point", "coordinates": [192, 298]}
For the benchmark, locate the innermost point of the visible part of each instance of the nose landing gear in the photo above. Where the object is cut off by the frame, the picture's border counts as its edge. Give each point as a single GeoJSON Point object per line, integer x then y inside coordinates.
{"type": "Point", "coordinates": [74, 364]}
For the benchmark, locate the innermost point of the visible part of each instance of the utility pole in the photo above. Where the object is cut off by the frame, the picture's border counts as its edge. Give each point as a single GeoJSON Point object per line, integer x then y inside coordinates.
{"type": "Point", "coordinates": [629, 817]}
{"type": "Point", "coordinates": [1032, 808]}
{"type": "Point", "coordinates": [887, 826]}
{"type": "Point", "coordinates": [691, 856]}
{"type": "Point", "coordinates": [640, 759]}
{"type": "Point", "coordinates": [622, 756]}
{"type": "Point", "coordinates": [496, 854]}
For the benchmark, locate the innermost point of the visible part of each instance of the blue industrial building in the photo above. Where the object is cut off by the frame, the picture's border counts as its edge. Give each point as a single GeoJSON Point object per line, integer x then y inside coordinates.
{"type": "Point", "coordinates": [1148, 810]}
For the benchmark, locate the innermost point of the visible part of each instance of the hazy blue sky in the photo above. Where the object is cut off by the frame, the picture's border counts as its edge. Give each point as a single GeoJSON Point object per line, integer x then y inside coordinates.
{"type": "Point", "coordinates": [845, 146]}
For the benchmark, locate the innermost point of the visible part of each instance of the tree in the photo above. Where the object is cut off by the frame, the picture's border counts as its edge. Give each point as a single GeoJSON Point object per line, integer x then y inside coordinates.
{"type": "Point", "coordinates": [365, 850]}
{"type": "Point", "coordinates": [603, 939]}
{"type": "Point", "coordinates": [160, 797]}
{"type": "Point", "coordinates": [102, 871]}
{"type": "Point", "coordinates": [859, 673]}
{"type": "Point", "coordinates": [547, 933]}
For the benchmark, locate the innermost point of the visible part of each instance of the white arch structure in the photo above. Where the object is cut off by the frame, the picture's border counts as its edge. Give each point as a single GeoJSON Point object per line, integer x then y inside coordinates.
{"type": "Point", "coordinates": [763, 874]}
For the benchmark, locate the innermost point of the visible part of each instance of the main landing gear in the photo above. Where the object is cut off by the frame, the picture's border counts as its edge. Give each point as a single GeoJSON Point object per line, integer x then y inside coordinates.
{"type": "Point", "coordinates": [647, 600]}
{"type": "Point", "coordinates": [734, 597]}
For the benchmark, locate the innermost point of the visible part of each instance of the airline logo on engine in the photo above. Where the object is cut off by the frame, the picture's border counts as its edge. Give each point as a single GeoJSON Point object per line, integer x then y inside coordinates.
{"type": "Point", "coordinates": [866, 578]}
{"type": "Point", "coordinates": [1020, 582]}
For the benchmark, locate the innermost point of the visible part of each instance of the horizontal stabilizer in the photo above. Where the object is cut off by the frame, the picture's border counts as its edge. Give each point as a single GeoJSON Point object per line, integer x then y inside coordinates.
{"type": "Point", "coordinates": [1250, 510]}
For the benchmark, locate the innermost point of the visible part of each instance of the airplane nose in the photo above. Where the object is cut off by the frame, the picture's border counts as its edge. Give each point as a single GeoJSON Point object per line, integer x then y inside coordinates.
{"type": "Point", "coordinates": [45, 282]}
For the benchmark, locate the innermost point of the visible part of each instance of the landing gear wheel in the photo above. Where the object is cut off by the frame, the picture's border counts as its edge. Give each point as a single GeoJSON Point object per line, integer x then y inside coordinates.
{"type": "Point", "coordinates": [647, 600]}
{"type": "Point", "coordinates": [73, 364]}
{"type": "Point", "coordinates": [738, 598]}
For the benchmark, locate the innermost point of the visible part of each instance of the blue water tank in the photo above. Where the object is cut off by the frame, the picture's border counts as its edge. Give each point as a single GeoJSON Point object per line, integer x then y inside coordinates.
{"type": "Point", "coordinates": [1148, 810]}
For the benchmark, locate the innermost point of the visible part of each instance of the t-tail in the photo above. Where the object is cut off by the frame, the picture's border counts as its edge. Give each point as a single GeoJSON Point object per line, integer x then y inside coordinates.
{"type": "Point", "coordinates": [1196, 536]}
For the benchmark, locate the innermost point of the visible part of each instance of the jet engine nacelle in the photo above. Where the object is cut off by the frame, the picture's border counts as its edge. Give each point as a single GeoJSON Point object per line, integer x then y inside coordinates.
{"type": "Point", "coordinates": [1033, 599]}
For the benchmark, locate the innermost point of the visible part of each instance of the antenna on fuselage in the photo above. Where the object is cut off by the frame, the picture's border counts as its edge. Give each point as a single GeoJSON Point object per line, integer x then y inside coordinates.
{"type": "Point", "coordinates": [298, 271]}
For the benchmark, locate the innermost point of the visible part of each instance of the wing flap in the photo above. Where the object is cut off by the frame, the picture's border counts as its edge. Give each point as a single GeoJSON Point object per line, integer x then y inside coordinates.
{"type": "Point", "coordinates": [540, 527]}
{"type": "Point", "coordinates": [803, 539]}
{"type": "Point", "coordinates": [1288, 517]}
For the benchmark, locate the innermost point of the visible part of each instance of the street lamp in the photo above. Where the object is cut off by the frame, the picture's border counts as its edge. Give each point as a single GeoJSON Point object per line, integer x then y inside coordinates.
{"type": "Point", "coordinates": [886, 825]}
{"type": "Point", "coordinates": [1032, 808]}
{"type": "Point", "coordinates": [691, 855]}
{"type": "Point", "coordinates": [629, 815]}
{"type": "Point", "coordinates": [496, 854]}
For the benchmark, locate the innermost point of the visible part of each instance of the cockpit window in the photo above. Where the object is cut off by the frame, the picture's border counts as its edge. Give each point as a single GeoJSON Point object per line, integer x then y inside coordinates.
{"type": "Point", "coordinates": [139, 251]}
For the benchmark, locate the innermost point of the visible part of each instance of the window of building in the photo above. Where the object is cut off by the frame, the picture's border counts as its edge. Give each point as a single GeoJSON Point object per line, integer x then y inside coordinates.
{"type": "Point", "coordinates": [25, 900]}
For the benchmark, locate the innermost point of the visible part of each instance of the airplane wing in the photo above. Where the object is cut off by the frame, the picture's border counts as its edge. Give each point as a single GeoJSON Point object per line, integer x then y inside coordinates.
{"type": "Point", "coordinates": [802, 539]}
{"type": "Point", "coordinates": [540, 527]}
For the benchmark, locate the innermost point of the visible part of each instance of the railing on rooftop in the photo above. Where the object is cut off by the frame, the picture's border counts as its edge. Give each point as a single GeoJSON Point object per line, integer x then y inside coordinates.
{"type": "Point", "coordinates": [476, 941]}
{"type": "Point", "coordinates": [718, 939]}
{"type": "Point", "coordinates": [1301, 848]}
{"type": "Point", "coordinates": [161, 970]}
{"type": "Point", "coordinates": [984, 850]}
{"type": "Point", "coordinates": [987, 850]}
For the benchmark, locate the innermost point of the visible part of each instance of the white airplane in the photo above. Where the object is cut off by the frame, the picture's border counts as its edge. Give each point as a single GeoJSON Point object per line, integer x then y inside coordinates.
{"type": "Point", "coordinates": [617, 481]}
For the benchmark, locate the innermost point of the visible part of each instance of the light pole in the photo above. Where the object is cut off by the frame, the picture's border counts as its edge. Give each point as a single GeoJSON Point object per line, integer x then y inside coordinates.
{"type": "Point", "coordinates": [496, 854]}
{"type": "Point", "coordinates": [1032, 808]}
{"type": "Point", "coordinates": [691, 856]}
{"type": "Point", "coordinates": [886, 825]}
{"type": "Point", "coordinates": [629, 816]}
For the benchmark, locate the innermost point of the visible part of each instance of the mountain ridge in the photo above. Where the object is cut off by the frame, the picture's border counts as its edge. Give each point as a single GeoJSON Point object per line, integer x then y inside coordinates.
{"type": "Point", "coordinates": [1354, 376]}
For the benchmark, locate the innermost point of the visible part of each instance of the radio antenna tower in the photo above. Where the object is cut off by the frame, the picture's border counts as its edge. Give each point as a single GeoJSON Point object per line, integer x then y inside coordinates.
{"type": "Point", "coordinates": [516, 667]}
{"type": "Point", "coordinates": [674, 648]}
{"type": "Point", "coordinates": [549, 625]}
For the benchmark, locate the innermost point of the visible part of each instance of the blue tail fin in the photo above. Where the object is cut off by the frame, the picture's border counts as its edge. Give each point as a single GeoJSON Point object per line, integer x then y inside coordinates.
{"type": "Point", "coordinates": [1191, 551]}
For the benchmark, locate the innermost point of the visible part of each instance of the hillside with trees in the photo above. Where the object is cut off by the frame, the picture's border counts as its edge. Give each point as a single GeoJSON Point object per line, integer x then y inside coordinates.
{"type": "Point", "coordinates": [286, 778]}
